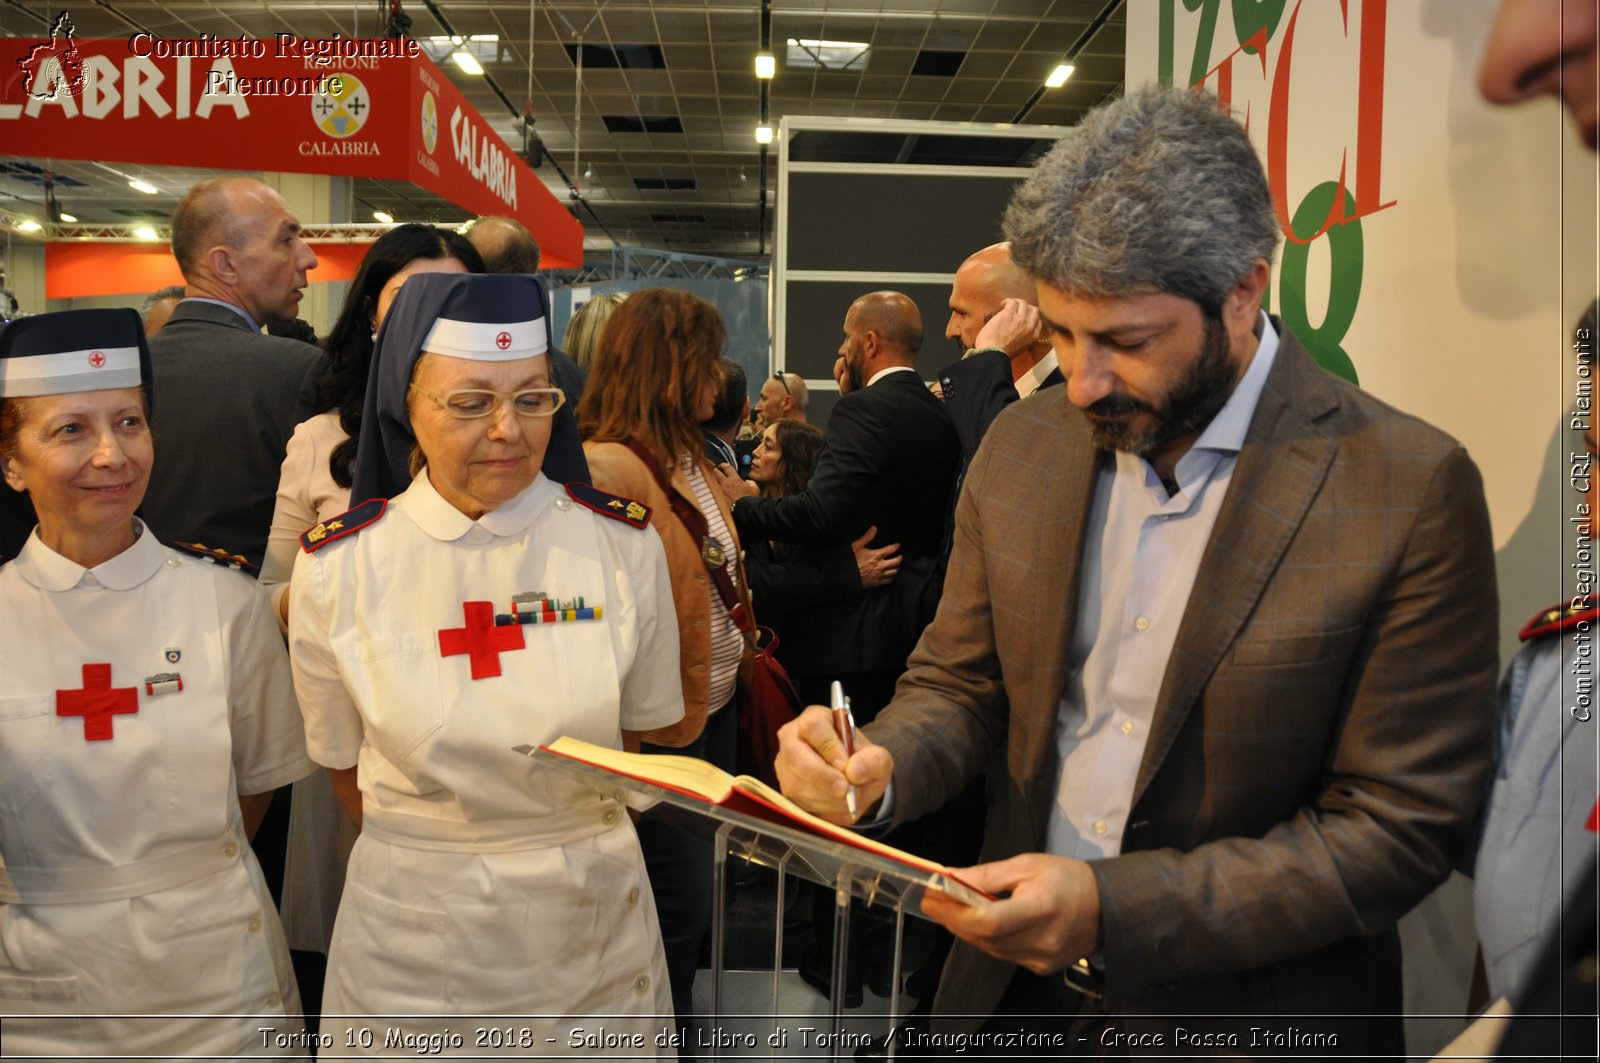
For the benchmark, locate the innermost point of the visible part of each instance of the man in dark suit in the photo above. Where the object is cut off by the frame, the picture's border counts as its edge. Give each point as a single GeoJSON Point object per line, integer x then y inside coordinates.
{"type": "Point", "coordinates": [225, 397]}
{"type": "Point", "coordinates": [1006, 355]}
{"type": "Point", "coordinates": [888, 460]}
{"type": "Point", "coordinates": [1223, 624]}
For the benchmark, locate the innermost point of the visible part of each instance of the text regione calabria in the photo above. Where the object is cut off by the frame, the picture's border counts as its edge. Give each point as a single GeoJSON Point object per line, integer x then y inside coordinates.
{"type": "Point", "coordinates": [144, 86]}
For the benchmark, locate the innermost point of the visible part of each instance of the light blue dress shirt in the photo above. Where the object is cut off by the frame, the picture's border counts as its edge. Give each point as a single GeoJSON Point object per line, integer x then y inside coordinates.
{"type": "Point", "coordinates": [1141, 552]}
{"type": "Point", "coordinates": [1535, 846]}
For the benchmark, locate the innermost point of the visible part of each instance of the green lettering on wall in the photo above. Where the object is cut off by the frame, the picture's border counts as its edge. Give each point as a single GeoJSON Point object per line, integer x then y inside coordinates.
{"type": "Point", "coordinates": [1345, 251]}
{"type": "Point", "coordinates": [1250, 15]}
{"type": "Point", "coordinates": [1202, 43]}
{"type": "Point", "coordinates": [1166, 29]}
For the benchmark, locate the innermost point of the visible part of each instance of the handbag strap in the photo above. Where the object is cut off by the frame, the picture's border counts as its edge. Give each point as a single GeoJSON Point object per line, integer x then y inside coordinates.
{"type": "Point", "coordinates": [695, 523]}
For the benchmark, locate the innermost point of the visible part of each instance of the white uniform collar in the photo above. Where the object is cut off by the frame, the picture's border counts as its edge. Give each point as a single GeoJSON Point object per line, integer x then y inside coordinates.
{"type": "Point", "coordinates": [49, 571]}
{"type": "Point", "coordinates": [429, 510]}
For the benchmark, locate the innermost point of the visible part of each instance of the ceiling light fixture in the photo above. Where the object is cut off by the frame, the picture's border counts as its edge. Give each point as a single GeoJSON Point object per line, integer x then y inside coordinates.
{"type": "Point", "coordinates": [384, 216]}
{"type": "Point", "coordinates": [742, 178]}
{"type": "Point", "coordinates": [143, 186]}
{"type": "Point", "coordinates": [588, 173]}
{"type": "Point", "coordinates": [70, 219]}
{"type": "Point", "coordinates": [763, 134]}
{"type": "Point", "coordinates": [28, 225]}
{"type": "Point", "coordinates": [467, 62]}
{"type": "Point", "coordinates": [766, 65]}
{"type": "Point", "coordinates": [1058, 77]}
{"type": "Point", "coordinates": [145, 232]}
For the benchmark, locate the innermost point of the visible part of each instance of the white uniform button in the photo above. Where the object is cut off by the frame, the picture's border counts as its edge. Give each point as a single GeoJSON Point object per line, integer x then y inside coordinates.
{"type": "Point", "coordinates": [610, 817]}
{"type": "Point", "coordinates": [477, 535]}
{"type": "Point", "coordinates": [173, 562]}
{"type": "Point", "coordinates": [633, 897]}
{"type": "Point", "coordinates": [563, 504]}
{"type": "Point", "coordinates": [274, 1000]}
{"type": "Point", "coordinates": [230, 850]}
{"type": "Point", "coordinates": [1143, 623]}
{"type": "Point", "coordinates": [642, 985]}
{"type": "Point", "coordinates": [1100, 826]}
{"type": "Point", "coordinates": [618, 796]}
{"type": "Point", "coordinates": [254, 925]}
{"type": "Point", "coordinates": [1127, 727]}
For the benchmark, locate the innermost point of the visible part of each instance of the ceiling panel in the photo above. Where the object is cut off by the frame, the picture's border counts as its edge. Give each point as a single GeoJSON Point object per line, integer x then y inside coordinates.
{"type": "Point", "coordinates": [708, 83]}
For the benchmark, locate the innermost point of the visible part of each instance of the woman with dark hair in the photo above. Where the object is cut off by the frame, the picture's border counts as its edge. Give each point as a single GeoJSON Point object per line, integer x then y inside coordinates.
{"type": "Point", "coordinates": [315, 481]}
{"type": "Point", "coordinates": [786, 579]}
{"type": "Point", "coordinates": [655, 378]}
{"type": "Point", "coordinates": [785, 457]}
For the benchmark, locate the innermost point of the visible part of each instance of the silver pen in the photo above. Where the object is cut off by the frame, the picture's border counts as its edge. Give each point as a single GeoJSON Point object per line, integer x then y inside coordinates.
{"type": "Point", "coordinates": [845, 725]}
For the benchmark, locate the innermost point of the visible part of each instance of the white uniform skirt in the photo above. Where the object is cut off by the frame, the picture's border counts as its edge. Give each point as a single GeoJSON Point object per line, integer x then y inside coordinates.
{"type": "Point", "coordinates": [484, 950]}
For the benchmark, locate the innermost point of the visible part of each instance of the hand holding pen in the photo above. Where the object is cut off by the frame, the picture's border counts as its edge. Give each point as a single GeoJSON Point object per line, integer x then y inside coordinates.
{"type": "Point", "coordinates": [820, 782]}
{"type": "Point", "coordinates": [844, 726]}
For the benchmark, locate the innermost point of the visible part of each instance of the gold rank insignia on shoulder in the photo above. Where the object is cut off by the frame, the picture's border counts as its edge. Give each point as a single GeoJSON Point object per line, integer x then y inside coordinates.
{"type": "Point", "coordinates": [626, 510]}
{"type": "Point", "coordinates": [324, 532]}
{"type": "Point", "coordinates": [218, 556]}
{"type": "Point", "coordinates": [1582, 609]}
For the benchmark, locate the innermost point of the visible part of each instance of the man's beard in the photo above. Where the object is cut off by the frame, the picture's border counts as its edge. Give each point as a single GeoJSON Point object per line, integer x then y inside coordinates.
{"type": "Point", "coordinates": [854, 373]}
{"type": "Point", "coordinates": [1187, 408]}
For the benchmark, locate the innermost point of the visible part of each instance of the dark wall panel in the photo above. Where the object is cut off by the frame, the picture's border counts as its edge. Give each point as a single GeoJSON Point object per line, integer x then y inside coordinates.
{"type": "Point", "coordinates": [814, 325]}
{"type": "Point", "coordinates": [902, 223]}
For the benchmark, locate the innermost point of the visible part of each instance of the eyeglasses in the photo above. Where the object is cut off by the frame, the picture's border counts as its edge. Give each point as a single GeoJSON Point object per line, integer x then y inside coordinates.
{"type": "Point", "coordinates": [778, 376]}
{"type": "Point", "coordinates": [469, 404]}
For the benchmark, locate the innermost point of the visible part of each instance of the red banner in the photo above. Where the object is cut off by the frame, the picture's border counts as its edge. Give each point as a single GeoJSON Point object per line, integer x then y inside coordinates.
{"type": "Point", "coordinates": [356, 108]}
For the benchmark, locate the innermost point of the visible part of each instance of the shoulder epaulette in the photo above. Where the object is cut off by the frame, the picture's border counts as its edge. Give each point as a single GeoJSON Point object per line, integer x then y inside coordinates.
{"type": "Point", "coordinates": [218, 556]}
{"type": "Point", "coordinates": [1558, 618]}
{"type": "Point", "coordinates": [347, 523]}
{"type": "Point", "coordinates": [616, 507]}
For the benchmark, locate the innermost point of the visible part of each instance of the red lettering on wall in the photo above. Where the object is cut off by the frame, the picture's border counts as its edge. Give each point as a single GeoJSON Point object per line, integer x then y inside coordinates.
{"type": "Point", "coordinates": [1369, 125]}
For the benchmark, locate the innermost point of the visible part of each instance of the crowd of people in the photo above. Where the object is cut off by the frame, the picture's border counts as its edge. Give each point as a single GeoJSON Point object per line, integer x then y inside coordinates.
{"type": "Point", "coordinates": [1186, 646]}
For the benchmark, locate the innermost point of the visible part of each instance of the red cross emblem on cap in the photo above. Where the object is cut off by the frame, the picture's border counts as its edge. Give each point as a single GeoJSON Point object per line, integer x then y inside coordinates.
{"type": "Point", "coordinates": [97, 359]}
{"type": "Point", "coordinates": [503, 340]}
{"type": "Point", "coordinates": [481, 640]}
{"type": "Point", "coordinates": [97, 702]}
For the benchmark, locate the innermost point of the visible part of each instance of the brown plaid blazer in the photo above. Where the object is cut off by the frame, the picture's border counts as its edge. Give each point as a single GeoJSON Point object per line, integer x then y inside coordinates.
{"type": "Point", "coordinates": [1322, 734]}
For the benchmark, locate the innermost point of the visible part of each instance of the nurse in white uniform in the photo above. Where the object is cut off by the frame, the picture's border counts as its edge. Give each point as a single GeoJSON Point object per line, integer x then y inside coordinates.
{"type": "Point", "coordinates": [483, 608]}
{"type": "Point", "coordinates": [146, 716]}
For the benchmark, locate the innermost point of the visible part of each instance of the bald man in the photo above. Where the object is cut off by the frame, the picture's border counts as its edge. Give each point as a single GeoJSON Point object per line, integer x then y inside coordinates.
{"type": "Point", "coordinates": [227, 398]}
{"type": "Point", "coordinates": [888, 461]}
{"type": "Point", "coordinates": [994, 318]}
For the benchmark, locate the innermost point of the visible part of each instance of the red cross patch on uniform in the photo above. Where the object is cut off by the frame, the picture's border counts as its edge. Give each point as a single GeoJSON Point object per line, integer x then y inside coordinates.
{"type": "Point", "coordinates": [97, 702]}
{"type": "Point", "coordinates": [482, 640]}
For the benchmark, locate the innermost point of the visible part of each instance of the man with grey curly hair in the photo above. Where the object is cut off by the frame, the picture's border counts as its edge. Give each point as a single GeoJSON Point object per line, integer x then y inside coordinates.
{"type": "Point", "coordinates": [1227, 622]}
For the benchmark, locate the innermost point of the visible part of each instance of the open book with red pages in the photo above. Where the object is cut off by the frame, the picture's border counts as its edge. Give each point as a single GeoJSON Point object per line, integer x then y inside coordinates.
{"type": "Point", "coordinates": [750, 796]}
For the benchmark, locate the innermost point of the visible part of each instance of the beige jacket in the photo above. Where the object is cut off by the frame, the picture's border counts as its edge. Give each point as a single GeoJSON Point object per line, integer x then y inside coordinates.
{"type": "Point", "coordinates": [615, 468]}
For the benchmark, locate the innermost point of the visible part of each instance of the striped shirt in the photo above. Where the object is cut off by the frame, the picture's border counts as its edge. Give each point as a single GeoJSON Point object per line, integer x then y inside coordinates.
{"type": "Point", "coordinates": [727, 644]}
